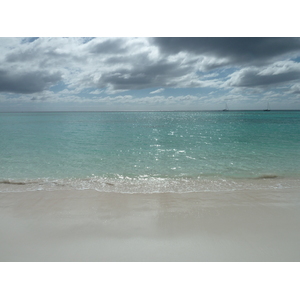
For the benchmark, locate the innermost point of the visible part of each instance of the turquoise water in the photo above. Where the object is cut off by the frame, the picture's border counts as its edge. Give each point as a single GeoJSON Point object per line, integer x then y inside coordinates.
{"type": "Point", "coordinates": [148, 151]}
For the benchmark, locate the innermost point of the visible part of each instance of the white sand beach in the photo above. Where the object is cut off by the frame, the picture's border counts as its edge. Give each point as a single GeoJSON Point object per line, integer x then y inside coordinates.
{"type": "Point", "coordinates": [249, 225]}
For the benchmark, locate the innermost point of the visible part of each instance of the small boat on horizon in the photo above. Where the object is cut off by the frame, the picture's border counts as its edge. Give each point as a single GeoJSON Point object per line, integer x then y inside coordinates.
{"type": "Point", "coordinates": [226, 107]}
{"type": "Point", "coordinates": [268, 107]}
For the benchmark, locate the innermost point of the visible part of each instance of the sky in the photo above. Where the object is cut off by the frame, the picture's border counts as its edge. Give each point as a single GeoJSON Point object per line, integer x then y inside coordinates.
{"type": "Point", "coordinates": [164, 73]}
{"type": "Point", "coordinates": [163, 56]}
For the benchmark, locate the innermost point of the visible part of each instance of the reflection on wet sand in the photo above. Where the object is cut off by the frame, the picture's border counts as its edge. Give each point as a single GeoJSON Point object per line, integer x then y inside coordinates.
{"type": "Point", "coordinates": [93, 226]}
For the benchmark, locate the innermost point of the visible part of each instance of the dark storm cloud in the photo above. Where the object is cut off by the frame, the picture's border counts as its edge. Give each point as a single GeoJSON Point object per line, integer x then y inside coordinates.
{"type": "Point", "coordinates": [27, 82]}
{"type": "Point", "coordinates": [253, 78]}
{"type": "Point", "coordinates": [143, 76]}
{"type": "Point", "coordinates": [257, 51]}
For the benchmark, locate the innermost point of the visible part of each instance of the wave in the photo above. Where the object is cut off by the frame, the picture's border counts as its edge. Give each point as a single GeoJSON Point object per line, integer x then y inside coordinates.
{"type": "Point", "coordinates": [148, 184]}
{"type": "Point", "coordinates": [12, 182]}
{"type": "Point", "coordinates": [267, 176]}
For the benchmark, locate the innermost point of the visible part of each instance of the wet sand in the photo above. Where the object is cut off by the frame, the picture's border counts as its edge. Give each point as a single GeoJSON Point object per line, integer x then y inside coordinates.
{"type": "Point", "coordinates": [249, 225]}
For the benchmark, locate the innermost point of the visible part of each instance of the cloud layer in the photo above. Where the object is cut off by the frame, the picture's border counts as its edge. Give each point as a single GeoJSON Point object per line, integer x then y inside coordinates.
{"type": "Point", "coordinates": [27, 82]}
{"type": "Point", "coordinates": [231, 51]}
{"type": "Point", "coordinates": [85, 68]}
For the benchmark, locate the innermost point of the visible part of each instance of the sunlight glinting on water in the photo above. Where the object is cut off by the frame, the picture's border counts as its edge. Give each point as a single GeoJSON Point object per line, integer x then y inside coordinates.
{"type": "Point", "coordinates": [150, 151]}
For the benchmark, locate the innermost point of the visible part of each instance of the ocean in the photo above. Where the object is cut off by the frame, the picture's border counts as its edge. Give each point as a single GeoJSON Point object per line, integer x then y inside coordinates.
{"type": "Point", "coordinates": [149, 152]}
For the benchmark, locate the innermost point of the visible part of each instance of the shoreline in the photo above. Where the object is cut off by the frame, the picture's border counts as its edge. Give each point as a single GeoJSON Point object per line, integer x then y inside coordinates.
{"type": "Point", "coordinates": [86, 225]}
{"type": "Point", "coordinates": [151, 185]}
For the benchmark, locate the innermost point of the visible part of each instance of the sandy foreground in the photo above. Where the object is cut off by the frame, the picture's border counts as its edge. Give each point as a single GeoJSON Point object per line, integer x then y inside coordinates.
{"type": "Point", "coordinates": [260, 225]}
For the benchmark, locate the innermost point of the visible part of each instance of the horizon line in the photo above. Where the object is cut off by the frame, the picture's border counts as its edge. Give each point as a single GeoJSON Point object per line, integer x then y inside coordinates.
{"type": "Point", "coordinates": [177, 110]}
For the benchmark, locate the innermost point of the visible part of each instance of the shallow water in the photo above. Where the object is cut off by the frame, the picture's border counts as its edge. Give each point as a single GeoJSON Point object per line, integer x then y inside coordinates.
{"type": "Point", "coordinates": [149, 151]}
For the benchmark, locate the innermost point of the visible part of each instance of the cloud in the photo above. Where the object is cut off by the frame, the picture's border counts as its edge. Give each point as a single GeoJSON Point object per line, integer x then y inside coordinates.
{"type": "Point", "coordinates": [276, 74]}
{"type": "Point", "coordinates": [96, 92]}
{"type": "Point", "coordinates": [230, 51]}
{"type": "Point", "coordinates": [28, 40]}
{"type": "Point", "coordinates": [142, 76]}
{"type": "Point", "coordinates": [28, 54]}
{"type": "Point", "coordinates": [109, 46]}
{"type": "Point", "coordinates": [251, 78]}
{"type": "Point", "coordinates": [44, 53]}
{"type": "Point", "coordinates": [122, 64]}
{"type": "Point", "coordinates": [157, 91]}
{"type": "Point", "coordinates": [27, 82]}
{"type": "Point", "coordinates": [79, 69]}
{"type": "Point", "coordinates": [295, 89]}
